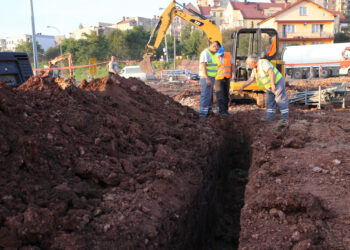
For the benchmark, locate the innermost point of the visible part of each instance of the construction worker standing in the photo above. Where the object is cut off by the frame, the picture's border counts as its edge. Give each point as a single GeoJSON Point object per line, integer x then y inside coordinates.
{"type": "Point", "coordinates": [270, 79]}
{"type": "Point", "coordinates": [112, 66]}
{"type": "Point", "coordinates": [222, 79]}
{"type": "Point", "coordinates": [208, 67]}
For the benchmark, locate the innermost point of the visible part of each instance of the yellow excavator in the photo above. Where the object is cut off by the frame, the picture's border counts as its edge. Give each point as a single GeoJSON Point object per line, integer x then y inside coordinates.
{"type": "Point", "coordinates": [174, 9]}
{"type": "Point", "coordinates": [61, 58]}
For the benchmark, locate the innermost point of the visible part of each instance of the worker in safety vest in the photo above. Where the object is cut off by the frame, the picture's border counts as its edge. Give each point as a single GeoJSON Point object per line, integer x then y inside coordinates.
{"type": "Point", "coordinates": [270, 79]}
{"type": "Point", "coordinates": [222, 80]}
{"type": "Point", "coordinates": [208, 67]}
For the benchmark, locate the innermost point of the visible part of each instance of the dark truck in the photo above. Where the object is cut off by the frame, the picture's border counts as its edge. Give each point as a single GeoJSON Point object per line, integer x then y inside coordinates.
{"type": "Point", "coordinates": [15, 68]}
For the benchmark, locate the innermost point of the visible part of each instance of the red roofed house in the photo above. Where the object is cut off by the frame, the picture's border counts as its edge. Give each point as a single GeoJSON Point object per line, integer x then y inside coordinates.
{"type": "Point", "coordinates": [248, 14]}
{"type": "Point", "coordinates": [340, 22]}
{"type": "Point", "coordinates": [303, 22]}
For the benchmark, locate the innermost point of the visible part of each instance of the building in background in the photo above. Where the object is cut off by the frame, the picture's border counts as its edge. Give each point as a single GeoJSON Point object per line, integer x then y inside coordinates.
{"type": "Point", "coordinates": [248, 14]}
{"type": "Point", "coordinates": [303, 22]}
{"type": "Point", "coordinates": [128, 23]}
{"type": "Point", "coordinates": [217, 15]}
{"type": "Point", "coordinates": [59, 39]}
{"type": "Point", "coordinates": [99, 28]}
{"type": "Point", "coordinates": [2, 44]}
{"type": "Point", "coordinates": [212, 3]}
{"type": "Point", "coordinates": [45, 41]}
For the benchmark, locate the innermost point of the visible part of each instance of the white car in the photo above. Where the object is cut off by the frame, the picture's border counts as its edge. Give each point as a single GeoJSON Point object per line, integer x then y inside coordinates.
{"type": "Point", "coordinates": [134, 71]}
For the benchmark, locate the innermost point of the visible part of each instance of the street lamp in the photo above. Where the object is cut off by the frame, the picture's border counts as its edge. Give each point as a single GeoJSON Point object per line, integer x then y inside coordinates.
{"type": "Point", "coordinates": [59, 33]}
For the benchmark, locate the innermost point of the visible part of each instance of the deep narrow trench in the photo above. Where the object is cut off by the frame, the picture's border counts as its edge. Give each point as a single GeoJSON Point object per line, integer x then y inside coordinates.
{"type": "Point", "coordinates": [219, 226]}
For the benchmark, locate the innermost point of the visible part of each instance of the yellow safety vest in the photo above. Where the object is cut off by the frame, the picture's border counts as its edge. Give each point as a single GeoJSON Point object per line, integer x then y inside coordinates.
{"type": "Point", "coordinates": [225, 69]}
{"type": "Point", "coordinates": [212, 66]}
{"type": "Point", "coordinates": [265, 82]}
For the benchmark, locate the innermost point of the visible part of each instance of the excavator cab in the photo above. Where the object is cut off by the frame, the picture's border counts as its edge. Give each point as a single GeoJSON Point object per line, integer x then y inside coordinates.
{"type": "Point", "coordinates": [261, 43]}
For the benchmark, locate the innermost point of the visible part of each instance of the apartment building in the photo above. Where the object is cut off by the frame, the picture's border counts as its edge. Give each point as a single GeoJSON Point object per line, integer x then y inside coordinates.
{"type": "Point", "coordinates": [2, 44]}
{"type": "Point", "coordinates": [44, 41]}
{"type": "Point", "coordinates": [128, 23]}
{"type": "Point", "coordinates": [212, 3]}
{"type": "Point", "coordinates": [99, 28]}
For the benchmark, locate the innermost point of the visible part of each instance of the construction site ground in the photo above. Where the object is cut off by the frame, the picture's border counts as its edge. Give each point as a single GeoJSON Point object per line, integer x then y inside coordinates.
{"type": "Point", "coordinates": [119, 164]}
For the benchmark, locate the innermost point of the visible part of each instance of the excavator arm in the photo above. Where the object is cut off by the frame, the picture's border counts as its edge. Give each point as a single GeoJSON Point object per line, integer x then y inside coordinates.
{"type": "Point", "coordinates": [61, 58]}
{"type": "Point", "coordinates": [175, 9]}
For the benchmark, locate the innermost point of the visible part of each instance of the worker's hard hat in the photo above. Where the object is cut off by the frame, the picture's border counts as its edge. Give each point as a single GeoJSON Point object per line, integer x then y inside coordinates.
{"type": "Point", "coordinates": [220, 51]}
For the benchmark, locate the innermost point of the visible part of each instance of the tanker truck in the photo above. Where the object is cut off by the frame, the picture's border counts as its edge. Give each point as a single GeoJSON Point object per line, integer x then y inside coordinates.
{"type": "Point", "coordinates": [319, 60]}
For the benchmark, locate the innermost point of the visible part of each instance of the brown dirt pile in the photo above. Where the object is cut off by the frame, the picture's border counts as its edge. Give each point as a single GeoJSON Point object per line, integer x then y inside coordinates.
{"type": "Point", "coordinates": [115, 163]}
{"type": "Point", "coordinates": [313, 84]}
{"type": "Point", "coordinates": [297, 196]}
{"type": "Point", "coordinates": [110, 163]}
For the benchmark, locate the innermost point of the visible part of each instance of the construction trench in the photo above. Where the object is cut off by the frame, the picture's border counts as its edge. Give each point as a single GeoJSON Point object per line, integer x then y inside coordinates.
{"type": "Point", "coordinates": [114, 164]}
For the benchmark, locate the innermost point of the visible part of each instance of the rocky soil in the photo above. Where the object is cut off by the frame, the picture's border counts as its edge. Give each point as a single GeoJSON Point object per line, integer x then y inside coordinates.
{"type": "Point", "coordinates": [114, 164]}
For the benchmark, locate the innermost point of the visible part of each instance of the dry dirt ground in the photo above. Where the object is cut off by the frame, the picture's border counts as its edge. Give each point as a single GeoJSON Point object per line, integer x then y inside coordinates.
{"type": "Point", "coordinates": [114, 164]}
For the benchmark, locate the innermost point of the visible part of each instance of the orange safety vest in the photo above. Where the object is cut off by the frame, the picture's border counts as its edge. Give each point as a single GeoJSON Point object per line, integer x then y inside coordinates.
{"type": "Point", "coordinates": [224, 70]}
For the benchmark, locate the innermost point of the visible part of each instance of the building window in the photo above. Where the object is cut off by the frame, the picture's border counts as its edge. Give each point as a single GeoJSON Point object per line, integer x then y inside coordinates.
{"type": "Point", "coordinates": [302, 11]}
{"type": "Point", "coordinates": [290, 28]}
{"type": "Point", "coordinates": [221, 14]}
{"type": "Point", "coordinates": [214, 13]}
{"type": "Point", "coordinates": [316, 28]}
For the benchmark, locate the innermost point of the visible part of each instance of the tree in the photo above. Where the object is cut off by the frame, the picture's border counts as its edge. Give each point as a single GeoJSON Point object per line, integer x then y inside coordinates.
{"type": "Point", "coordinates": [81, 26]}
{"type": "Point", "coordinates": [117, 44]}
{"type": "Point", "coordinates": [202, 45]}
{"type": "Point", "coordinates": [136, 40]}
{"type": "Point", "coordinates": [97, 47]}
{"type": "Point", "coordinates": [28, 47]}
{"type": "Point", "coordinates": [192, 44]}
{"type": "Point", "coordinates": [341, 38]}
{"type": "Point", "coordinates": [75, 47]}
{"type": "Point", "coordinates": [83, 49]}
{"type": "Point", "coordinates": [186, 33]}
{"type": "Point", "coordinates": [51, 53]}
{"type": "Point", "coordinates": [227, 40]}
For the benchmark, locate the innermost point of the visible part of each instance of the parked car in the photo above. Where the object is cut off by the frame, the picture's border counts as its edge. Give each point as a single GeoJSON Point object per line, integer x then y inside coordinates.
{"type": "Point", "coordinates": [135, 71]}
{"type": "Point", "coordinates": [173, 75]}
{"type": "Point", "coordinates": [194, 76]}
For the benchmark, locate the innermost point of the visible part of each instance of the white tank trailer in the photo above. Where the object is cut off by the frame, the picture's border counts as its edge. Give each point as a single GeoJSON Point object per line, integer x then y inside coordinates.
{"type": "Point", "coordinates": [313, 56]}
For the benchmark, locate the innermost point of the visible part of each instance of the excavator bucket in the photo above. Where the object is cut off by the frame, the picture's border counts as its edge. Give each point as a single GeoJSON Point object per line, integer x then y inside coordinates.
{"type": "Point", "coordinates": [146, 65]}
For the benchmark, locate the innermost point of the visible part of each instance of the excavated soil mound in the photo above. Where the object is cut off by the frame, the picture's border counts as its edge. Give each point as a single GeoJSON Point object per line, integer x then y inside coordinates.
{"type": "Point", "coordinates": [314, 83]}
{"type": "Point", "coordinates": [113, 164]}
{"type": "Point", "coordinates": [298, 196]}
{"type": "Point", "coordinates": [109, 164]}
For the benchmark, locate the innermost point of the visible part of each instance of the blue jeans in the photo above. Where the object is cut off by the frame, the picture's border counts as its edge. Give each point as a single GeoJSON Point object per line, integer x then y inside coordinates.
{"type": "Point", "coordinates": [222, 94]}
{"type": "Point", "coordinates": [278, 98]}
{"type": "Point", "coordinates": [206, 100]}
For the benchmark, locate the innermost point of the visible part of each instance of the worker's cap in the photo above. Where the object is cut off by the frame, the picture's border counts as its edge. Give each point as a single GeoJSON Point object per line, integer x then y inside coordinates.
{"type": "Point", "coordinates": [220, 51]}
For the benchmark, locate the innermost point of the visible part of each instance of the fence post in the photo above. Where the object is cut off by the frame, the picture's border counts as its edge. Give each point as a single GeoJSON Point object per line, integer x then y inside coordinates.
{"type": "Point", "coordinates": [319, 97]}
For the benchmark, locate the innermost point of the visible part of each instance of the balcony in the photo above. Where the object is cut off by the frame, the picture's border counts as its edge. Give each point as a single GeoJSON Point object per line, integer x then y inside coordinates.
{"type": "Point", "coordinates": [305, 36]}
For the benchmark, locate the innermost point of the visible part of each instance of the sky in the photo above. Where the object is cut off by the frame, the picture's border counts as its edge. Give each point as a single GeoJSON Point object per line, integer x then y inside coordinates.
{"type": "Point", "coordinates": [66, 15]}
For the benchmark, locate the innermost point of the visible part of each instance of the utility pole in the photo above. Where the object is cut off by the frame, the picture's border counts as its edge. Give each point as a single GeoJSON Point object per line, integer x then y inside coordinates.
{"type": "Point", "coordinates": [174, 46]}
{"type": "Point", "coordinates": [166, 49]}
{"type": "Point", "coordinates": [35, 52]}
